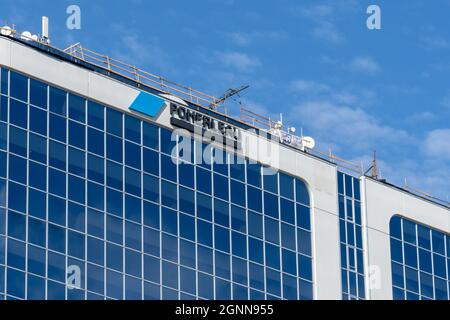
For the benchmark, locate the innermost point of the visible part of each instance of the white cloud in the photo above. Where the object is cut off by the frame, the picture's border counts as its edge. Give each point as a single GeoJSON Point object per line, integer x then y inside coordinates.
{"type": "Point", "coordinates": [329, 32]}
{"type": "Point", "coordinates": [435, 41]}
{"type": "Point", "coordinates": [364, 64]}
{"type": "Point", "coordinates": [346, 127]}
{"type": "Point", "coordinates": [245, 39]}
{"type": "Point", "coordinates": [238, 60]}
{"type": "Point", "coordinates": [308, 86]}
{"type": "Point", "coordinates": [437, 144]}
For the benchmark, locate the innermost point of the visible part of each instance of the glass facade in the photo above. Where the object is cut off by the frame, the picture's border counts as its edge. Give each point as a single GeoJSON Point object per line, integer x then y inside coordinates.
{"type": "Point", "coordinates": [350, 230]}
{"type": "Point", "coordinates": [85, 187]}
{"type": "Point", "coordinates": [420, 261]}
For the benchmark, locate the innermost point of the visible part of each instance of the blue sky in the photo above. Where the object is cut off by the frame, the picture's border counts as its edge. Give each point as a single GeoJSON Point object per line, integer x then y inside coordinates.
{"type": "Point", "coordinates": [353, 89]}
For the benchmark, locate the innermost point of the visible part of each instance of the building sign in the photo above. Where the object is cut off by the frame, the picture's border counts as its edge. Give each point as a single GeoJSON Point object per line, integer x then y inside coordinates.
{"type": "Point", "coordinates": [291, 140]}
{"type": "Point", "coordinates": [210, 128]}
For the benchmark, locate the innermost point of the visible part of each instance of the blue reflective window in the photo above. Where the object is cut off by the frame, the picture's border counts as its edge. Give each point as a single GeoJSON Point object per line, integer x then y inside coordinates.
{"type": "Point", "coordinates": [3, 134]}
{"type": "Point", "coordinates": [35, 288]}
{"type": "Point", "coordinates": [222, 265]}
{"type": "Point", "coordinates": [57, 155]}
{"type": "Point", "coordinates": [58, 103]}
{"type": "Point", "coordinates": [273, 282]}
{"type": "Point", "coordinates": [57, 128]}
{"type": "Point", "coordinates": [18, 86]}
{"type": "Point", "coordinates": [114, 229]}
{"type": "Point", "coordinates": [254, 199]}
{"type": "Point", "coordinates": [167, 144]}
{"type": "Point", "coordinates": [270, 180]}
{"type": "Point", "coordinates": [37, 232]}
{"type": "Point", "coordinates": [77, 108]}
{"type": "Point", "coordinates": [151, 162]}
{"type": "Point", "coordinates": [169, 274]}
{"type": "Point", "coordinates": [237, 168]}
{"type": "Point", "coordinates": [238, 219]}
{"type": "Point", "coordinates": [304, 242]}
{"type": "Point", "coordinates": [187, 200]}
{"type": "Point", "coordinates": [203, 180]}
{"type": "Point", "coordinates": [150, 136]}
{"type": "Point", "coordinates": [254, 174]}
{"type": "Point", "coordinates": [287, 211]}
{"type": "Point", "coordinates": [409, 231]}
{"type": "Point", "coordinates": [188, 280]}
{"type": "Point", "coordinates": [56, 238]}
{"type": "Point", "coordinates": [303, 217]}
{"type": "Point", "coordinates": [18, 169]}
{"type": "Point", "coordinates": [169, 247]}
{"type": "Point", "coordinates": [4, 81]}
{"type": "Point", "coordinates": [168, 168]}
{"type": "Point", "coordinates": [239, 271]}
{"type": "Point", "coordinates": [186, 174]}
{"type": "Point", "coordinates": [38, 121]}
{"type": "Point", "coordinates": [95, 223]}
{"type": "Point", "coordinates": [169, 194]}
{"type": "Point", "coordinates": [152, 242]}
{"type": "Point", "coordinates": [289, 287]}
{"type": "Point", "coordinates": [77, 135]}
{"type": "Point", "coordinates": [96, 169]}
{"type": "Point", "coordinates": [169, 221]}
{"type": "Point", "coordinates": [96, 198]}
{"type": "Point", "coordinates": [114, 148]}
{"type": "Point", "coordinates": [187, 254]}
{"type": "Point", "coordinates": [114, 122]}
{"type": "Point", "coordinates": [151, 291]}
{"type": "Point", "coordinates": [114, 175]}
{"type": "Point", "coordinates": [286, 186]}
{"type": "Point", "coordinates": [221, 238]}
{"type": "Point", "coordinates": [306, 290]}
{"type": "Point", "coordinates": [76, 244]}
{"type": "Point", "coordinates": [76, 217]}
{"type": "Point", "coordinates": [133, 235]}
{"type": "Point", "coordinates": [256, 276]}
{"type": "Point", "coordinates": [239, 244]}
{"type": "Point", "coordinates": [272, 256]}
{"type": "Point", "coordinates": [38, 148]}
{"type": "Point", "coordinates": [114, 202]}
{"type": "Point", "coordinates": [133, 263]}
{"type": "Point", "coordinates": [16, 283]}
{"type": "Point", "coordinates": [304, 267]}
{"type": "Point", "coordinates": [95, 279]}
{"type": "Point", "coordinates": [57, 182]}
{"type": "Point", "coordinates": [205, 286]}
{"type": "Point", "coordinates": [221, 213]}
{"type": "Point", "coordinates": [77, 162]}
{"type": "Point", "coordinates": [37, 204]}
{"type": "Point", "coordinates": [96, 115]}
{"type": "Point", "coordinates": [151, 188]}
{"type": "Point", "coordinates": [152, 269]}
{"type": "Point", "coordinates": [256, 250]}
{"type": "Point", "coordinates": [151, 215]}
{"type": "Point", "coordinates": [205, 259]}
{"type": "Point", "coordinates": [16, 197]}
{"type": "Point", "coordinates": [133, 182]}
{"type": "Point", "coordinates": [36, 260]}
{"type": "Point", "coordinates": [272, 230]}
{"type": "Point", "coordinates": [424, 237]}
{"type": "Point", "coordinates": [18, 113]}
{"type": "Point", "coordinates": [204, 233]}
{"type": "Point", "coordinates": [17, 141]}
{"type": "Point", "coordinates": [16, 254]}
{"type": "Point", "coordinates": [132, 129]}
{"type": "Point", "coordinates": [302, 194]}
{"type": "Point", "coordinates": [204, 207]}
{"type": "Point", "coordinates": [133, 155]}
{"type": "Point", "coordinates": [76, 189]}
{"type": "Point", "coordinates": [187, 227]}
{"type": "Point", "coordinates": [3, 108]}
{"type": "Point", "coordinates": [223, 290]}
{"type": "Point", "coordinates": [114, 257]}
{"type": "Point", "coordinates": [288, 236]}
{"type": "Point", "coordinates": [114, 284]}
{"type": "Point", "coordinates": [95, 251]}
{"type": "Point", "coordinates": [255, 225]}
{"type": "Point", "coordinates": [438, 239]}
{"type": "Point", "coordinates": [96, 142]}
{"type": "Point", "coordinates": [237, 193]}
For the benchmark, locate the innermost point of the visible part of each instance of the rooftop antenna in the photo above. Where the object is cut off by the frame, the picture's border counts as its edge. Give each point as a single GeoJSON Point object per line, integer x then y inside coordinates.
{"type": "Point", "coordinates": [374, 165]}
{"type": "Point", "coordinates": [228, 94]}
{"type": "Point", "coordinates": [45, 33]}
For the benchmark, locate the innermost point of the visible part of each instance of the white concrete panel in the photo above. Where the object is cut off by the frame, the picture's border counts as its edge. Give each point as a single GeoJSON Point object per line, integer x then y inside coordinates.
{"type": "Point", "coordinates": [326, 250]}
{"type": "Point", "coordinates": [5, 52]}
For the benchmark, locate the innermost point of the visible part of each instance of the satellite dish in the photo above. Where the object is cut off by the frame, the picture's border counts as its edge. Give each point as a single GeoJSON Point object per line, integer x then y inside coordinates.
{"type": "Point", "coordinates": [6, 31]}
{"type": "Point", "coordinates": [308, 142]}
{"type": "Point", "coordinates": [292, 130]}
{"type": "Point", "coordinates": [26, 35]}
{"type": "Point", "coordinates": [34, 37]}
{"type": "Point", "coordinates": [174, 99]}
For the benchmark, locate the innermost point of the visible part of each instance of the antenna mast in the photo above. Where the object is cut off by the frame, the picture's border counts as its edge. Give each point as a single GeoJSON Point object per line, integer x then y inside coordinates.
{"type": "Point", "coordinates": [228, 94]}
